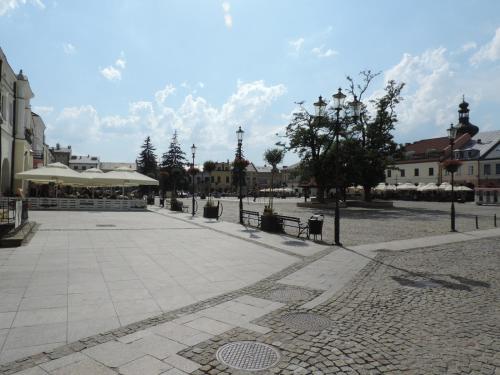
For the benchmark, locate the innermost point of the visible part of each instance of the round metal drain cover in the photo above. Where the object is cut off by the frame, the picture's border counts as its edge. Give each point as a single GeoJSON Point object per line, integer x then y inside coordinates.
{"type": "Point", "coordinates": [289, 294]}
{"type": "Point", "coordinates": [248, 355]}
{"type": "Point", "coordinates": [306, 321]}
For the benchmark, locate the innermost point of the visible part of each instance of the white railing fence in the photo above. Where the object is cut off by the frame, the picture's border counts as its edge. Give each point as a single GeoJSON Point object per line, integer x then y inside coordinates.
{"type": "Point", "coordinates": [70, 204]}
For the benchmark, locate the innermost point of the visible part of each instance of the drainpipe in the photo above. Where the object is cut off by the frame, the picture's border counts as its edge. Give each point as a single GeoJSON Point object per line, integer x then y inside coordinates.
{"type": "Point", "coordinates": [14, 127]}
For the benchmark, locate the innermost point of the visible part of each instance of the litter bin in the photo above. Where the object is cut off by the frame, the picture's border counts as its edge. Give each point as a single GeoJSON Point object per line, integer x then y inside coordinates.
{"type": "Point", "coordinates": [316, 225]}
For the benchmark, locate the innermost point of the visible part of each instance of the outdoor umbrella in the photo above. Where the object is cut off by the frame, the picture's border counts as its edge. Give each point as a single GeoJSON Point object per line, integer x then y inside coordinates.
{"type": "Point", "coordinates": [463, 188]}
{"type": "Point", "coordinates": [431, 186]}
{"type": "Point", "coordinates": [97, 177]}
{"type": "Point", "coordinates": [444, 186]}
{"type": "Point", "coordinates": [124, 176]}
{"type": "Point", "coordinates": [406, 186]}
{"type": "Point", "coordinates": [55, 172]}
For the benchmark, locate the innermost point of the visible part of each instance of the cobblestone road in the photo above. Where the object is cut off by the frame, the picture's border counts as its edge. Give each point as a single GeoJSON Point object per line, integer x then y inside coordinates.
{"type": "Point", "coordinates": [424, 311]}
{"type": "Point", "coordinates": [360, 226]}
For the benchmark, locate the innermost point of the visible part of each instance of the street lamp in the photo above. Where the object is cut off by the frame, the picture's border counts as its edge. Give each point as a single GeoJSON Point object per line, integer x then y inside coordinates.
{"type": "Point", "coordinates": [338, 102]}
{"type": "Point", "coordinates": [452, 133]}
{"type": "Point", "coordinates": [193, 151]}
{"type": "Point", "coordinates": [239, 134]}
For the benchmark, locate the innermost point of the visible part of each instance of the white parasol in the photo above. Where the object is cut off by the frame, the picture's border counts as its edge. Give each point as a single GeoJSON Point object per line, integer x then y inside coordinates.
{"type": "Point", "coordinates": [56, 172]}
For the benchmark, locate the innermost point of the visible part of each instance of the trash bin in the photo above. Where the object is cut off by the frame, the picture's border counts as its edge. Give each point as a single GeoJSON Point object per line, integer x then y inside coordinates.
{"type": "Point", "coordinates": [316, 226]}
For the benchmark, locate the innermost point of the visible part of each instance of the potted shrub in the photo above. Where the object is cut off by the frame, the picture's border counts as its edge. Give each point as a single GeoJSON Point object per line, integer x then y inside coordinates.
{"type": "Point", "coordinates": [210, 210]}
{"type": "Point", "coordinates": [269, 219]}
{"type": "Point", "coordinates": [175, 205]}
{"type": "Point", "coordinates": [452, 165]}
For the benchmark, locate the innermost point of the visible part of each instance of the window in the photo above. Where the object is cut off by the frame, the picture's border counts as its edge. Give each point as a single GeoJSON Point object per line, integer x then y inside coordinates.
{"type": "Point", "coordinates": [388, 173]}
{"type": "Point", "coordinates": [402, 172]}
{"type": "Point", "coordinates": [497, 168]}
{"type": "Point", "coordinates": [75, 167]}
{"type": "Point", "coordinates": [431, 171]}
{"type": "Point", "coordinates": [416, 172]}
{"type": "Point", "coordinates": [459, 171]}
{"type": "Point", "coordinates": [83, 167]}
{"type": "Point", "coordinates": [218, 179]}
{"type": "Point", "coordinates": [470, 170]}
{"type": "Point", "coordinates": [227, 179]}
{"type": "Point", "coordinates": [212, 179]}
{"type": "Point", "coordinates": [487, 169]}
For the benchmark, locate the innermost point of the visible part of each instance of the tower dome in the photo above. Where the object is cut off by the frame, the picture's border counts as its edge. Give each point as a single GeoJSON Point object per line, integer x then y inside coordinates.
{"type": "Point", "coordinates": [464, 125]}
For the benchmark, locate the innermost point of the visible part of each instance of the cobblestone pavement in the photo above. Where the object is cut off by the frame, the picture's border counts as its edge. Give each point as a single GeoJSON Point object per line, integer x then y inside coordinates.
{"type": "Point", "coordinates": [421, 311]}
{"type": "Point", "coordinates": [427, 311]}
{"type": "Point", "coordinates": [359, 225]}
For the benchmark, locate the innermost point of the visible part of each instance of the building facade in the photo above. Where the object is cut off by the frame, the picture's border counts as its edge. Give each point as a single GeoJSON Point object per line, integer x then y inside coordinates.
{"type": "Point", "coordinates": [18, 127]}
{"type": "Point", "coordinates": [83, 162]}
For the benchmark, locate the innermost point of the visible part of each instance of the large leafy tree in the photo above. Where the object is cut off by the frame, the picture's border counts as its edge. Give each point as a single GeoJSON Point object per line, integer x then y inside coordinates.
{"type": "Point", "coordinates": [311, 137]}
{"type": "Point", "coordinates": [366, 143]}
{"type": "Point", "coordinates": [373, 132]}
{"type": "Point", "coordinates": [147, 162]}
{"type": "Point", "coordinates": [172, 165]}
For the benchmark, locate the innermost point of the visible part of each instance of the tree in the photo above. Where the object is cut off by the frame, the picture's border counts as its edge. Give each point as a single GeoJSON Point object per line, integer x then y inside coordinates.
{"type": "Point", "coordinates": [374, 133]}
{"type": "Point", "coordinates": [274, 157]}
{"type": "Point", "coordinates": [311, 137]}
{"type": "Point", "coordinates": [173, 163]}
{"type": "Point", "coordinates": [147, 163]}
{"type": "Point", "coordinates": [209, 167]}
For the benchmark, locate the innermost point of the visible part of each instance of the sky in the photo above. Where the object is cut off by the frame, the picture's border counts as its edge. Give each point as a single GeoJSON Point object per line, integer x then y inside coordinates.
{"type": "Point", "coordinates": [108, 73]}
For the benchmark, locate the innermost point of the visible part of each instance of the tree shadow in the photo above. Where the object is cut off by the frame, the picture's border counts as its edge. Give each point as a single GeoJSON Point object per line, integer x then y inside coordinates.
{"type": "Point", "coordinates": [428, 280]}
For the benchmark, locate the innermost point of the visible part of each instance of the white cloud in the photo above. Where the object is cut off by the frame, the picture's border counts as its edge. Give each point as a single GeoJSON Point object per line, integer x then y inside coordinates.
{"type": "Point", "coordinates": [211, 128]}
{"type": "Point", "coordinates": [228, 19]}
{"type": "Point", "coordinates": [7, 6]}
{"type": "Point", "coordinates": [201, 85]}
{"type": "Point", "coordinates": [469, 46]}
{"type": "Point", "coordinates": [114, 73]}
{"type": "Point", "coordinates": [429, 99]}
{"type": "Point", "coordinates": [489, 52]}
{"type": "Point", "coordinates": [69, 49]}
{"type": "Point", "coordinates": [162, 95]}
{"type": "Point", "coordinates": [111, 73]}
{"type": "Point", "coordinates": [322, 52]}
{"type": "Point", "coordinates": [121, 63]}
{"type": "Point", "coordinates": [42, 110]}
{"type": "Point", "coordinates": [296, 44]}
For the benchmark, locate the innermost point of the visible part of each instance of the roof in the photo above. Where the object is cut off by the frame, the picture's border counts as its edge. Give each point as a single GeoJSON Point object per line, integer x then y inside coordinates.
{"type": "Point", "coordinates": [61, 149]}
{"type": "Point", "coordinates": [424, 145]}
{"type": "Point", "coordinates": [84, 159]}
{"type": "Point", "coordinates": [264, 169]}
{"type": "Point", "coordinates": [109, 166]}
{"type": "Point", "coordinates": [482, 142]}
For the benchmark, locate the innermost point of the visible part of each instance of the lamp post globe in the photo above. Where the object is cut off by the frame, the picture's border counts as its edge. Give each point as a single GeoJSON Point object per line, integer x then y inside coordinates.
{"type": "Point", "coordinates": [338, 100]}
{"type": "Point", "coordinates": [193, 152]}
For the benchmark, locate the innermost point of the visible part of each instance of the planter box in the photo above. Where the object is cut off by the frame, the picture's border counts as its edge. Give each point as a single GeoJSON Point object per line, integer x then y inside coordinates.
{"type": "Point", "coordinates": [176, 206]}
{"type": "Point", "coordinates": [270, 223]}
{"type": "Point", "coordinates": [211, 212]}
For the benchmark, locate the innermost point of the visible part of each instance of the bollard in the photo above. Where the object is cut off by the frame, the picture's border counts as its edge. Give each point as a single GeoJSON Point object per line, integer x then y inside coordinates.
{"type": "Point", "coordinates": [477, 223]}
{"type": "Point", "coordinates": [495, 220]}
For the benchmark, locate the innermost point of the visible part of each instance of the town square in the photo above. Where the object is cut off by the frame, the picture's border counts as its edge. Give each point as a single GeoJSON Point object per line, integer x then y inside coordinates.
{"type": "Point", "coordinates": [249, 187]}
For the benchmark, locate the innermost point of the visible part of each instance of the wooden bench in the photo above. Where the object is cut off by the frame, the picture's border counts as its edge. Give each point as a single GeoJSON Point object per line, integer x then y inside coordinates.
{"type": "Point", "coordinates": [294, 222]}
{"type": "Point", "coordinates": [250, 215]}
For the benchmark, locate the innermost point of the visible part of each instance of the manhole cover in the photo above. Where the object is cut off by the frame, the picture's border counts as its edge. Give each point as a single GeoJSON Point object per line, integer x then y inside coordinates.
{"type": "Point", "coordinates": [248, 355]}
{"type": "Point", "coordinates": [105, 225]}
{"type": "Point", "coordinates": [289, 294]}
{"type": "Point", "coordinates": [306, 321]}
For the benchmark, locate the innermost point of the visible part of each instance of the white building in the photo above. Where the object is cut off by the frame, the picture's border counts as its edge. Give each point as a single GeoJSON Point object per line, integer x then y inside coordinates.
{"type": "Point", "coordinates": [17, 127]}
{"type": "Point", "coordinates": [82, 163]}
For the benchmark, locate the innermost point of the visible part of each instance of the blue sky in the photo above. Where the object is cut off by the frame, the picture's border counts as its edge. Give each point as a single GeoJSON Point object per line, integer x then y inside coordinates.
{"type": "Point", "coordinates": [108, 73]}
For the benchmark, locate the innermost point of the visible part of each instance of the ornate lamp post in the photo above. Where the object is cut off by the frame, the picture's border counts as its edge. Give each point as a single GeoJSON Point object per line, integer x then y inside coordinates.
{"type": "Point", "coordinates": [452, 133]}
{"type": "Point", "coordinates": [320, 110]}
{"type": "Point", "coordinates": [193, 151]}
{"type": "Point", "coordinates": [239, 134]}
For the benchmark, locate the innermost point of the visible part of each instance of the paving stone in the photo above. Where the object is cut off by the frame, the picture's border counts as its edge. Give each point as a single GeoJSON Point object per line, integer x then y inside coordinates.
{"type": "Point", "coordinates": [113, 353]}
{"type": "Point", "coordinates": [157, 346]}
{"type": "Point", "coordinates": [146, 365]}
{"type": "Point", "coordinates": [85, 367]}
